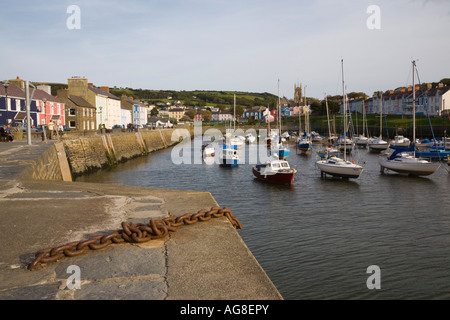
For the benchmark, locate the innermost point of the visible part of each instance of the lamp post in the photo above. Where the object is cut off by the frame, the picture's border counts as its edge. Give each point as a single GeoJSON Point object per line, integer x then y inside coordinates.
{"type": "Point", "coordinates": [44, 125]}
{"type": "Point", "coordinates": [6, 85]}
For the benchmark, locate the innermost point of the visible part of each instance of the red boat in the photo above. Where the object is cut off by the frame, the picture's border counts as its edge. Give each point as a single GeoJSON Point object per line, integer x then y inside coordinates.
{"type": "Point", "coordinates": [275, 171]}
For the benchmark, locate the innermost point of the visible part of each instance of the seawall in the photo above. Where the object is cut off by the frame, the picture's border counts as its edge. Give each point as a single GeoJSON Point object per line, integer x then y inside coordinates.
{"type": "Point", "coordinates": [75, 156]}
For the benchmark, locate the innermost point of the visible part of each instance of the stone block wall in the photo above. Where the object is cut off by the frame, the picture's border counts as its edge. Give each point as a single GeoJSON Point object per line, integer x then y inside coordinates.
{"type": "Point", "coordinates": [46, 167]}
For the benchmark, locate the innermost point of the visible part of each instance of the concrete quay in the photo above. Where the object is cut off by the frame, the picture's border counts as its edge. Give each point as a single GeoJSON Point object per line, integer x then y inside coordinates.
{"type": "Point", "coordinates": [204, 261]}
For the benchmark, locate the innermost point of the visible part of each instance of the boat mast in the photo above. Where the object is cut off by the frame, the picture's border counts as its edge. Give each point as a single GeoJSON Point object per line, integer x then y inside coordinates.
{"type": "Point", "coordinates": [279, 109]}
{"type": "Point", "coordinates": [234, 114]}
{"type": "Point", "coordinates": [300, 114]}
{"type": "Point", "coordinates": [381, 116]}
{"type": "Point", "coordinates": [414, 107]}
{"type": "Point", "coordinates": [328, 116]}
{"type": "Point", "coordinates": [345, 111]}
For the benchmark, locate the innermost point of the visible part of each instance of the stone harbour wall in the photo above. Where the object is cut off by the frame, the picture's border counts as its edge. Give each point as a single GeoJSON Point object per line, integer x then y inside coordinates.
{"type": "Point", "coordinates": [74, 157]}
{"type": "Point", "coordinates": [89, 154]}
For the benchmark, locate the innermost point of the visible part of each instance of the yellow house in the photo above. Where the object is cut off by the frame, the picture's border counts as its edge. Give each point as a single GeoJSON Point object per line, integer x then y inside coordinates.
{"type": "Point", "coordinates": [176, 113]}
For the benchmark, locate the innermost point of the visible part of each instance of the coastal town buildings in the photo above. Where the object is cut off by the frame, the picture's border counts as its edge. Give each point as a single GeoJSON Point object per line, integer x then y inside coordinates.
{"type": "Point", "coordinates": [432, 101]}
{"type": "Point", "coordinates": [44, 108]}
{"type": "Point", "coordinates": [107, 106]}
{"type": "Point", "coordinates": [80, 114]}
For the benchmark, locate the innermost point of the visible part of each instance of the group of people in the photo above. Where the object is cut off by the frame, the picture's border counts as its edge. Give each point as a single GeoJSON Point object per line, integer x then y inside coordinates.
{"type": "Point", "coordinates": [6, 134]}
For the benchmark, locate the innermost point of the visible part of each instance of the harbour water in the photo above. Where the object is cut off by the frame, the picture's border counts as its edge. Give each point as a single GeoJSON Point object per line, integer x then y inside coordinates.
{"type": "Point", "coordinates": [317, 238]}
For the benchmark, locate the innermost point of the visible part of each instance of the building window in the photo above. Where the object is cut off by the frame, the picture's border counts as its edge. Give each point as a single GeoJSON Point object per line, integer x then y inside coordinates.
{"type": "Point", "coordinates": [72, 124]}
{"type": "Point", "coordinates": [72, 112]}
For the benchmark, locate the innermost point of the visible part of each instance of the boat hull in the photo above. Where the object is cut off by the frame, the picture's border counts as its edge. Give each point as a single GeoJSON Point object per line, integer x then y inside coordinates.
{"type": "Point", "coordinates": [377, 148]}
{"type": "Point", "coordinates": [349, 171]}
{"type": "Point", "coordinates": [277, 178]}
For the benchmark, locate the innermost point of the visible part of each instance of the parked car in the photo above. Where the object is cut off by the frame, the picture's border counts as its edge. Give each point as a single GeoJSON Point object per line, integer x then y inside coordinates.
{"type": "Point", "coordinates": [117, 126]}
{"type": "Point", "coordinates": [25, 129]}
{"type": "Point", "coordinates": [39, 128]}
{"type": "Point", "coordinates": [66, 128]}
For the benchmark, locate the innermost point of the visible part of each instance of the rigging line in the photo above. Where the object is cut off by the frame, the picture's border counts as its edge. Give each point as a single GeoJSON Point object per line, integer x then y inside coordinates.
{"type": "Point", "coordinates": [425, 100]}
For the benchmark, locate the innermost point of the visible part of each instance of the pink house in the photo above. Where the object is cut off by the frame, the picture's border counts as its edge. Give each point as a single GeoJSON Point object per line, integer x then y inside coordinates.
{"type": "Point", "coordinates": [49, 108]}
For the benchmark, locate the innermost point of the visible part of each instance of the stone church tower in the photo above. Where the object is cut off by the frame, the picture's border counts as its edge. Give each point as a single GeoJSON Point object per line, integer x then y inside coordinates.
{"type": "Point", "coordinates": [298, 94]}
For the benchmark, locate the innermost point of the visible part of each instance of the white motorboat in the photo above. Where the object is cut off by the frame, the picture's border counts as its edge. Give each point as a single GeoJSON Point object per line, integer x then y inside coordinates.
{"type": "Point", "coordinates": [275, 171]}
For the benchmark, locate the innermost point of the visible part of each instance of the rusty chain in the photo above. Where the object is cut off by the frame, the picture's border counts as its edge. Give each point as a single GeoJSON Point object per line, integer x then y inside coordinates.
{"type": "Point", "coordinates": [133, 233]}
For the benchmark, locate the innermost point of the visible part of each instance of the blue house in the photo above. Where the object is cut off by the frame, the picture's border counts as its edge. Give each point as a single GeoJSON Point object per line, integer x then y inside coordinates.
{"type": "Point", "coordinates": [13, 108]}
{"type": "Point", "coordinates": [256, 112]}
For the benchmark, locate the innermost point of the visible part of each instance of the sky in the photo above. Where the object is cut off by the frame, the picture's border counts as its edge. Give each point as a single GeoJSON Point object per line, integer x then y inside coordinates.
{"type": "Point", "coordinates": [229, 45]}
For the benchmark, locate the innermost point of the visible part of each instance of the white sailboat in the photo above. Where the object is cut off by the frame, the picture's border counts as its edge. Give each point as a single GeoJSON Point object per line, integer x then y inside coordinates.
{"type": "Point", "coordinates": [378, 144]}
{"type": "Point", "coordinates": [328, 150]}
{"type": "Point", "coordinates": [335, 166]}
{"type": "Point", "coordinates": [403, 160]}
{"type": "Point", "coordinates": [362, 140]}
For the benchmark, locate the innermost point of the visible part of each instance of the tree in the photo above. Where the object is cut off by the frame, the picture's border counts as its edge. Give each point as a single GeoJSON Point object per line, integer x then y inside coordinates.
{"type": "Point", "coordinates": [190, 113]}
{"type": "Point", "coordinates": [316, 108]}
{"type": "Point", "coordinates": [154, 112]}
{"type": "Point", "coordinates": [207, 115]}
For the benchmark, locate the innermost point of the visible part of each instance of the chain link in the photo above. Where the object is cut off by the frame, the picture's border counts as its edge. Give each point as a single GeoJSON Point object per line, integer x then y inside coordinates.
{"type": "Point", "coordinates": [133, 233]}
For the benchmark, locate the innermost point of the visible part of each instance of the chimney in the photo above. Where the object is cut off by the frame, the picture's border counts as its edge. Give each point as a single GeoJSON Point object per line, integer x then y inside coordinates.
{"type": "Point", "coordinates": [90, 84]}
{"type": "Point", "coordinates": [105, 89]}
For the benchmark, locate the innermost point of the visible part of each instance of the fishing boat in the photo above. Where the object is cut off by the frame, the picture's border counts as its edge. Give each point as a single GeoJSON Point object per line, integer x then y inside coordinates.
{"type": "Point", "coordinates": [404, 160]}
{"type": "Point", "coordinates": [335, 166]}
{"type": "Point", "coordinates": [275, 171]}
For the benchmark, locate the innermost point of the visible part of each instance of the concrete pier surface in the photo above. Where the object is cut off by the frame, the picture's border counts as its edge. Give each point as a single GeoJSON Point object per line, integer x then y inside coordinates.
{"type": "Point", "coordinates": [204, 261]}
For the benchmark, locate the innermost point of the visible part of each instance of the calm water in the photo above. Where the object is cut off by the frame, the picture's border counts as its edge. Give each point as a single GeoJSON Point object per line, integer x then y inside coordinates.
{"type": "Point", "coordinates": [317, 238]}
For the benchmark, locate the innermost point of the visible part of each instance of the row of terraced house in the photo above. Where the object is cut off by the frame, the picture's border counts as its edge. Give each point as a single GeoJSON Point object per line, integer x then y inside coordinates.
{"type": "Point", "coordinates": [82, 106]}
{"type": "Point", "coordinates": [429, 100]}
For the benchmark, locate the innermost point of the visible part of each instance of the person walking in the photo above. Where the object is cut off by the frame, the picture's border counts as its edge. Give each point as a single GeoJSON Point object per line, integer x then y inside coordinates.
{"type": "Point", "coordinates": [51, 127]}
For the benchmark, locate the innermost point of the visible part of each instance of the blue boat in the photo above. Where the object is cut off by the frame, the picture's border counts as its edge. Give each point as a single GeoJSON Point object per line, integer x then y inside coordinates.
{"type": "Point", "coordinates": [230, 156]}
{"type": "Point", "coordinates": [304, 144]}
{"type": "Point", "coordinates": [434, 153]}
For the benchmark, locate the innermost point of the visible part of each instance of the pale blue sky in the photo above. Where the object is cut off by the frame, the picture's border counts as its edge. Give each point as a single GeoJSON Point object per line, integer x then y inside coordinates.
{"type": "Point", "coordinates": [244, 45]}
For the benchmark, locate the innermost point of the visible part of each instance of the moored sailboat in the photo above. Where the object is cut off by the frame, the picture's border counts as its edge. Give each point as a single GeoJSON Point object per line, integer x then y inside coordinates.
{"type": "Point", "coordinates": [403, 160]}
{"type": "Point", "coordinates": [335, 166]}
